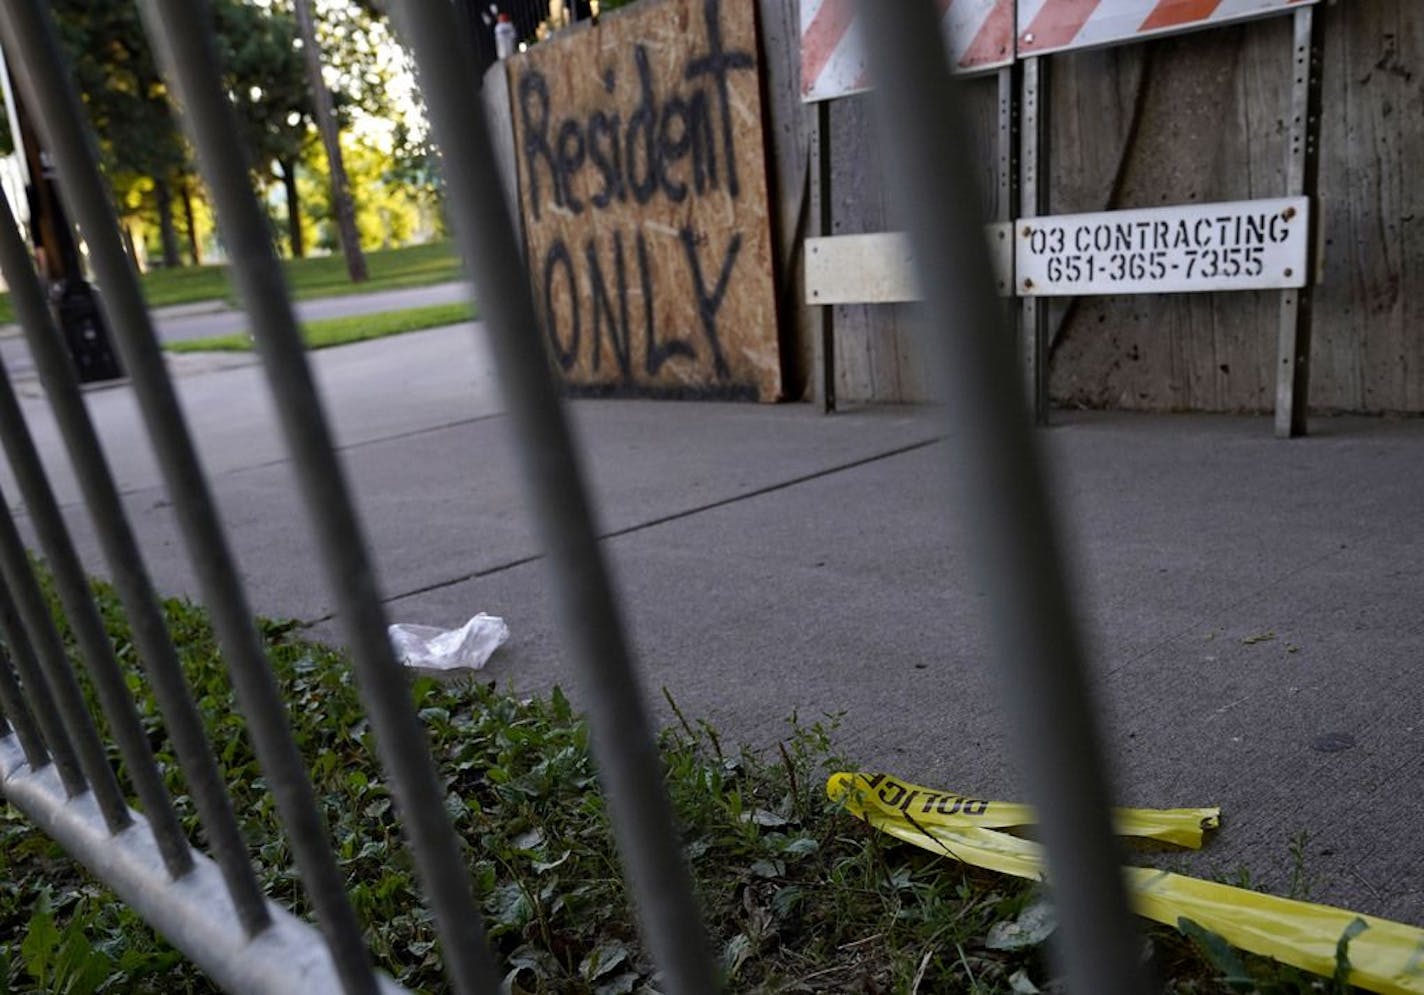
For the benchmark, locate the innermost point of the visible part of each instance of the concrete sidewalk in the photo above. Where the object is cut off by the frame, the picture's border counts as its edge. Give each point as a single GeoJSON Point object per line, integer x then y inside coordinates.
{"type": "Point", "coordinates": [1251, 606]}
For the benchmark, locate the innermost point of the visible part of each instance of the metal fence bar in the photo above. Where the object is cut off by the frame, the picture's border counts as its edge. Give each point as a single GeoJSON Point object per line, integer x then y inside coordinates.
{"type": "Point", "coordinates": [78, 724]}
{"type": "Point", "coordinates": [182, 34]}
{"type": "Point", "coordinates": [85, 623]}
{"type": "Point", "coordinates": [629, 765]}
{"type": "Point", "coordinates": [1035, 648]}
{"type": "Point", "coordinates": [18, 718]}
{"type": "Point", "coordinates": [194, 912]}
{"type": "Point", "coordinates": [34, 53]}
{"type": "Point", "coordinates": [37, 694]}
{"type": "Point", "coordinates": [126, 565]}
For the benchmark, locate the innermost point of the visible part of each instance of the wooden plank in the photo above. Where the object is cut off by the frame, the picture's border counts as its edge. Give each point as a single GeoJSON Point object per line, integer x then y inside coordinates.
{"type": "Point", "coordinates": [643, 186]}
{"type": "Point", "coordinates": [788, 140]}
{"type": "Point", "coordinates": [879, 268]}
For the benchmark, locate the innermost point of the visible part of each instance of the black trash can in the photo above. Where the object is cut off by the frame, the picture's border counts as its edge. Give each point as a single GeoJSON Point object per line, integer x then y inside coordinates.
{"type": "Point", "coordinates": [85, 332]}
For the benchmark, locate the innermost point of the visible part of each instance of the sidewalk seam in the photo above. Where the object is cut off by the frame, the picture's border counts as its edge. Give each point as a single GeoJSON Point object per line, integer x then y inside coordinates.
{"type": "Point", "coordinates": [654, 522]}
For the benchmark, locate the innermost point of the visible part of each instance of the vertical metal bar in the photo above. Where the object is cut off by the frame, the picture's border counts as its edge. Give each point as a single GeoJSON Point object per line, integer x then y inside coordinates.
{"type": "Point", "coordinates": [49, 650]}
{"type": "Point", "coordinates": [1007, 158]}
{"type": "Point", "coordinates": [1015, 551]}
{"type": "Point", "coordinates": [34, 54]}
{"type": "Point", "coordinates": [12, 700]}
{"type": "Point", "coordinates": [629, 765]}
{"type": "Point", "coordinates": [150, 634]}
{"type": "Point", "coordinates": [181, 32]}
{"type": "Point", "coordinates": [72, 584]}
{"type": "Point", "coordinates": [823, 384]}
{"type": "Point", "coordinates": [1302, 178]}
{"type": "Point", "coordinates": [1033, 314]}
{"type": "Point", "coordinates": [1006, 176]}
{"type": "Point", "coordinates": [37, 694]}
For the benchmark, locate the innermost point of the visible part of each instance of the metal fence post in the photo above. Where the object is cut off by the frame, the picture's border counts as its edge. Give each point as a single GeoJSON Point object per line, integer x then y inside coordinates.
{"type": "Point", "coordinates": [1302, 177]}
{"type": "Point", "coordinates": [1033, 193]}
{"type": "Point", "coordinates": [34, 54]}
{"type": "Point", "coordinates": [630, 768]}
{"type": "Point", "coordinates": [1035, 649]}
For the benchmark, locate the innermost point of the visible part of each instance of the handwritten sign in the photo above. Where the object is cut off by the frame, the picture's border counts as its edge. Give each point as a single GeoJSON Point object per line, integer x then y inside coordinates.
{"type": "Point", "coordinates": [643, 190]}
{"type": "Point", "coordinates": [1246, 245]}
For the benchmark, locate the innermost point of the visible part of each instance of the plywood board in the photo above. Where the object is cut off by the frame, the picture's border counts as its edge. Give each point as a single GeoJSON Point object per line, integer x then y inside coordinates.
{"type": "Point", "coordinates": [643, 188]}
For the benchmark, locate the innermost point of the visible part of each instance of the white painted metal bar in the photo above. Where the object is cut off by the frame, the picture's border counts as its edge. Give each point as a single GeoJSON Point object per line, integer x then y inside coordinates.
{"type": "Point", "coordinates": [56, 675]}
{"type": "Point", "coordinates": [1033, 201]}
{"type": "Point", "coordinates": [156, 652]}
{"type": "Point", "coordinates": [38, 698]}
{"type": "Point", "coordinates": [195, 912]}
{"type": "Point", "coordinates": [180, 29]}
{"type": "Point", "coordinates": [33, 50]}
{"type": "Point", "coordinates": [1302, 178]}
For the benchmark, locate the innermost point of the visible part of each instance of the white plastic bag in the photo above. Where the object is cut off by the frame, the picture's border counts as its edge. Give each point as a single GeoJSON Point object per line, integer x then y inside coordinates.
{"type": "Point", "coordinates": [468, 647]}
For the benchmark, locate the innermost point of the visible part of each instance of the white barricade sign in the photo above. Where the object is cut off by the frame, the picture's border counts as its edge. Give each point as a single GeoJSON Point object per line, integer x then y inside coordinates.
{"type": "Point", "coordinates": [1058, 25]}
{"type": "Point", "coordinates": [1246, 245]}
{"type": "Point", "coordinates": [980, 34]}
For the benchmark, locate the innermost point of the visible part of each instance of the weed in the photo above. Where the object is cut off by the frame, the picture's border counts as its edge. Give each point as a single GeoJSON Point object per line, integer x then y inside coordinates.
{"type": "Point", "coordinates": [798, 896]}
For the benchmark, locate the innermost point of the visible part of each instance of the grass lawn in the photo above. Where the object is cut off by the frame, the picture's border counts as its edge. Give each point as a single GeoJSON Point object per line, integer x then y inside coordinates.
{"type": "Point", "coordinates": [797, 895]}
{"type": "Point", "coordinates": [340, 331]}
{"type": "Point", "coordinates": [325, 276]}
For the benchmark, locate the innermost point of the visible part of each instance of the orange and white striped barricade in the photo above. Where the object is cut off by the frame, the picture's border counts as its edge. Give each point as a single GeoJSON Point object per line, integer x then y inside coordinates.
{"type": "Point", "coordinates": [1046, 26]}
{"type": "Point", "coordinates": [1217, 261]}
{"type": "Point", "coordinates": [874, 268]}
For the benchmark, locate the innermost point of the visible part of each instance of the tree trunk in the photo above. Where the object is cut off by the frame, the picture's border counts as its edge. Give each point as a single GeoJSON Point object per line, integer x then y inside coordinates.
{"type": "Point", "coordinates": [294, 208]}
{"type": "Point", "coordinates": [167, 233]}
{"type": "Point", "coordinates": [193, 248]}
{"type": "Point", "coordinates": [341, 203]}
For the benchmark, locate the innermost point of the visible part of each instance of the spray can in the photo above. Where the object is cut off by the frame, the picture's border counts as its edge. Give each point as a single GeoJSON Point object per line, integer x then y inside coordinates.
{"type": "Point", "coordinates": [504, 39]}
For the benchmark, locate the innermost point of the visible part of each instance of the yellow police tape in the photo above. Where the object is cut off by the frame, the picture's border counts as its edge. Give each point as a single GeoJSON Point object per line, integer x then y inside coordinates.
{"type": "Point", "coordinates": [1384, 956]}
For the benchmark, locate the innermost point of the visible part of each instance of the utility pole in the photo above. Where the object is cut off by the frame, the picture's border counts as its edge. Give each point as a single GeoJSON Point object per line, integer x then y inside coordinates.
{"type": "Point", "coordinates": [341, 202]}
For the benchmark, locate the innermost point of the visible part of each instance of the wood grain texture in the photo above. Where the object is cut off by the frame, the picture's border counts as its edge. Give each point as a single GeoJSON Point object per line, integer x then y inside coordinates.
{"type": "Point", "coordinates": [787, 125]}
{"type": "Point", "coordinates": [1212, 128]}
{"type": "Point", "coordinates": [643, 183]}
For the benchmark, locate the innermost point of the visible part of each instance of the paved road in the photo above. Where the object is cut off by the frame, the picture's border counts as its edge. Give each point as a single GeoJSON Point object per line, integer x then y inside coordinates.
{"type": "Point", "coordinates": [207, 319]}
{"type": "Point", "coordinates": [1251, 606]}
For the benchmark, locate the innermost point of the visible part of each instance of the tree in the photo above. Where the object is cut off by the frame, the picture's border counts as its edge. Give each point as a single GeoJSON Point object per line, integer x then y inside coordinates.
{"type": "Point", "coordinates": [342, 204]}
{"type": "Point", "coordinates": [141, 147]}
{"type": "Point", "coordinates": [265, 78]}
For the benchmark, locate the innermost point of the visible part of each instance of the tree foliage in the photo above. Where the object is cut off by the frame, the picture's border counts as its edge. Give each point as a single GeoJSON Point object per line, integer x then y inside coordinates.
{"type": "Point", "coordinates": [143, 152]}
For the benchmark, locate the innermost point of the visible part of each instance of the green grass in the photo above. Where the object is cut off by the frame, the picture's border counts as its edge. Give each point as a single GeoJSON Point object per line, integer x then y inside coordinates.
{"type": "Point", "coordinates": [797, 895]}
{"type": "Point", "coordinates": [328, 332]}
{"type": "Point", "coordinates": [324, 276]}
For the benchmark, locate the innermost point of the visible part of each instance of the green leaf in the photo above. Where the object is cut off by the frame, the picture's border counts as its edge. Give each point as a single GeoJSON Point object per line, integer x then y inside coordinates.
{"type": "Point", "coordinates": [40, 946]}
{"type": "Point", "coordinates": [540, 866]}
{"type": "Point", "coordinates": [735, 954]}
{"type": "Point", "coordinates": [622, 984]}
{"type": "Point", "coordinates": [1034, 925]}
{"type": "Point", "coordinates": [1222, 955]}
{"type": "Point", "coordinates": [764, 817]}
{"type": "Point", "coordinates": [602, 960]}
{"type": "Point", "coordinates": [768, 869]}
{"type": "Point", "coordinates": [1342, 953]}
{"type": "Point", "coordinates": [800, 846]}
{"type": "Point", "coordinates": [509, 906]}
